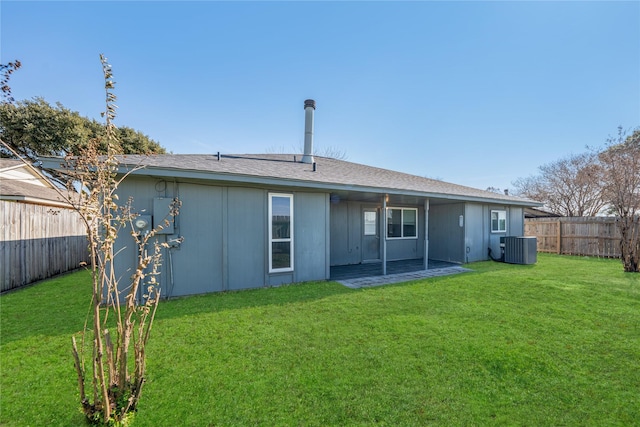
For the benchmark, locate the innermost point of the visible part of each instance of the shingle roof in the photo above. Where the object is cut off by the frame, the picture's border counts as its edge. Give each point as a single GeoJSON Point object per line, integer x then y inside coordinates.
{"type": "Point", "coordinates": [329, 174]}
{"type": "Point", "coordinates": [18, 190]}
{"type": "Point", "coordinates": [7, 163]}
{"type": "Point", "coordinates": [21, 190]}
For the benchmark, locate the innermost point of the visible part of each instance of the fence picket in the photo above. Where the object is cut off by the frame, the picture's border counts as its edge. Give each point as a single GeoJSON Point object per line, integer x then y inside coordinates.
{"type": "Point", "coordinates": [589, 236]}
{"type": "Point", "coordinates": [37, 242]}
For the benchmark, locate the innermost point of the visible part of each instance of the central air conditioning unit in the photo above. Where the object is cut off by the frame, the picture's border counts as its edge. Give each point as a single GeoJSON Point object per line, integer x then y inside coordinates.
{"type": "Point", "coordinates": [520, 250]}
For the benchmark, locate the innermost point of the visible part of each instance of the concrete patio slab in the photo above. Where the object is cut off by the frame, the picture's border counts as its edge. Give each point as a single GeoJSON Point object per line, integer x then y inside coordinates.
{"type": "Point", "coordinates": [371, 281]}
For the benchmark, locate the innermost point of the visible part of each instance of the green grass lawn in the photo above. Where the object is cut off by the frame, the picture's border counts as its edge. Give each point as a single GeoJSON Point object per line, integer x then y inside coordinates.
{"type": "Point", "coordinates": [556, 343]}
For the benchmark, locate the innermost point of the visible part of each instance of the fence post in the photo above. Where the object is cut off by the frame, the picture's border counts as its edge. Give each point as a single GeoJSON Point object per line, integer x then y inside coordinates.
{"type": "Point", "coordinates": [559, 238]}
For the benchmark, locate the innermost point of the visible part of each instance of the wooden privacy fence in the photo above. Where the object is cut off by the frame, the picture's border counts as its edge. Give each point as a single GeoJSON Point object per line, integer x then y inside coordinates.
{"type": "Point", "coordinates": [589, 236]}
{"type": "Point", "coordinates": [37, 242]}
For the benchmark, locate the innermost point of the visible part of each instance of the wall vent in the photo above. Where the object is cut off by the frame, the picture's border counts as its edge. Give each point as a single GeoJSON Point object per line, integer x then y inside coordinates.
{"type": "Point", "coordinates": [520, 250]}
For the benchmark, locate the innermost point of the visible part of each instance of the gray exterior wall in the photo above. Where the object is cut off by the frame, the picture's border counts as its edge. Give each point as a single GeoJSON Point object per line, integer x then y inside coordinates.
{"type": "Point", "coordinates": [347, 232]}
{"type": "Point", "coordinates": [244, 240]}
{"type": "Point", "coordinates": [469, 243]}
{"type": "Point", "coordinates": [476, 228]}
{"type": "Point", "coordinates": [446, 237]}
{"type": "Point", "coordinates": [516, 221]}
{"type": "Point", "coordinates": [311, 211]}
{"type": "Point", "coordinates": [197, 263]}
{"type": "Point", "coordinates": [478, 235]}
{"type": "Point", "coordinates": [515, 226]}
{"type": "Point", "coordinates": [407, 248]}
{"type": "Point", "coordinates": [226, 240]}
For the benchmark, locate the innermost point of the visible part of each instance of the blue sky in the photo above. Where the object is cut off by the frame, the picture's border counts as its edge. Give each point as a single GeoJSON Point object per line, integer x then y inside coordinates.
{"type": "Point", "coordinates": [475, 93]}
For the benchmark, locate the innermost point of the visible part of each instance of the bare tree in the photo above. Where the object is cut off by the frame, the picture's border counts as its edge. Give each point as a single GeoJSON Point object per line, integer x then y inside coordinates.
{"type": "Point", "coordinates": [116, 372]}
{"type": "Point", "coordinates": [497, 190]}
{"type": "Point", "coordinates": [620, 163]}
{"type": "Point", "coordinates": [332, 152]}
{"type": "Point", "coordinates": [118, 358]}
{"type": "Point", "coordinates": [329, 151]}
{"type": "Point", "coordinates": [570, 186]}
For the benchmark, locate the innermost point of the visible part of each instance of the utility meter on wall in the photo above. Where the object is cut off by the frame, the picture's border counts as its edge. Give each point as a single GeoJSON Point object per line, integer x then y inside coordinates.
{"type": "Point", "coordinates": [142, 223]}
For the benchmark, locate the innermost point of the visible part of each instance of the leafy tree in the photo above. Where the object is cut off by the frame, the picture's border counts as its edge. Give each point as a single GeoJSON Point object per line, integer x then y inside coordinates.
{"type": "Point", "coordinates": [5, 71]}
{"type": "Point", "coordinates": [569, 187]}
{"type": "Point", "coordinates": [35, 128]}
{"type": "Point", "coordinates": [620, 163]}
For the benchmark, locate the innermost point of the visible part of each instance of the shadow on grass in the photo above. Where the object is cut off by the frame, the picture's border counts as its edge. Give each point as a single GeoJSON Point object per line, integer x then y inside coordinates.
{"type": "Point", "coordinates": [59, 306]}
{"type": "Point", "coordinates": [236, 300]}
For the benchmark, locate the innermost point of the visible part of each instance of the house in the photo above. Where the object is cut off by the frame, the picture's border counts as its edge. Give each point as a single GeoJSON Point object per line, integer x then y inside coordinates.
{"type": "Point", "coordinates": [255, 220]}
{"type": "Point", "coordinates": [40, 234]}
{"type": "Point", "coordinates": [21, 182]}
{"type": "Point", "coordinates": [539, 213]}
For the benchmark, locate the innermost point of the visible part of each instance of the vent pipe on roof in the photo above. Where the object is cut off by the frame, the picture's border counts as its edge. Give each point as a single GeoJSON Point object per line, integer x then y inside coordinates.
{"type": "Point", "coordinates": [309, 107]}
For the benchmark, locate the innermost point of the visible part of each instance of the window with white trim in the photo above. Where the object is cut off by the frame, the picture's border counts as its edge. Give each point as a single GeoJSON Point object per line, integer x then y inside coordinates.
{"type": "Point", "coordinates": [280, 232]}
{"type": "Point", "coordinates": [402, 223]}
{"type": "Point", "coordinates": [498, 221]}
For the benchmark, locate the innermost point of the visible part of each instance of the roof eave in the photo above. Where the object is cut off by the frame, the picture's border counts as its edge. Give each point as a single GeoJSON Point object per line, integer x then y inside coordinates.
{"type": "Point", "coordinates": [35, 201]}
{"type": "Point", "coordinates": [163, 172]}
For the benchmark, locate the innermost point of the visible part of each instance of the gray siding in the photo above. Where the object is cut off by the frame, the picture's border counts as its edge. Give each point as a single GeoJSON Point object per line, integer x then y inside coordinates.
{"type": "Point", "coordinates": [476, 226]}
{"type": "Point", "coordinates": [398, 249]}
{"type": "Point", "coordinates": [515, 226]}
{"type": "Point", "coordinates": [226, 240]}
{"type": "Point", "coordinates": [449, 242]}
{"type": "Point", "coordinates": [516, 221]}
{"type": "Point", "coordinates": [246, 238]}
{"type": "Point", "coordinates": [446, 237]}
{"type": "Point", "coordinates": [346, 230]}
{"type": "Point", "coordinates": [311, 225]}
{"type": "Point", "coordinates": [197, 263]}
{"type": "Point", "coordinates": [494, 238]}
{"type": "Point", "coordinates": [125, 247]}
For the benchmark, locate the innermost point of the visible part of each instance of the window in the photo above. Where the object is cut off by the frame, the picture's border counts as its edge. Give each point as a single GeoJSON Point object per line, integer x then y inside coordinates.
{"type": "Point", "coordinates": [280, 232]}
{"type": "Point", "coordinates": [402, 223]}
{"type": "Point", "coordinates": [498, 221]}
{"type": "Point", "coordinates": [370, 223]}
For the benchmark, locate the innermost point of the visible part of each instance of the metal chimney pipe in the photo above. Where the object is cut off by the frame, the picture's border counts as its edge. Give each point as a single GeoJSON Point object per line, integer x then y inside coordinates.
{"type": "Point", "coordinates": [309, 107]}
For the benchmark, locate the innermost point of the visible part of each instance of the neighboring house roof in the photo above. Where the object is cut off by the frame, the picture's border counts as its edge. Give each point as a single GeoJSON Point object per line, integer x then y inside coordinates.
{"type": "Point", "coordinates": [23, 183]}
{"type": "Point", "coordinates": [538, 213]}
{"type": "Point", "coordinates": [342, 178]}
